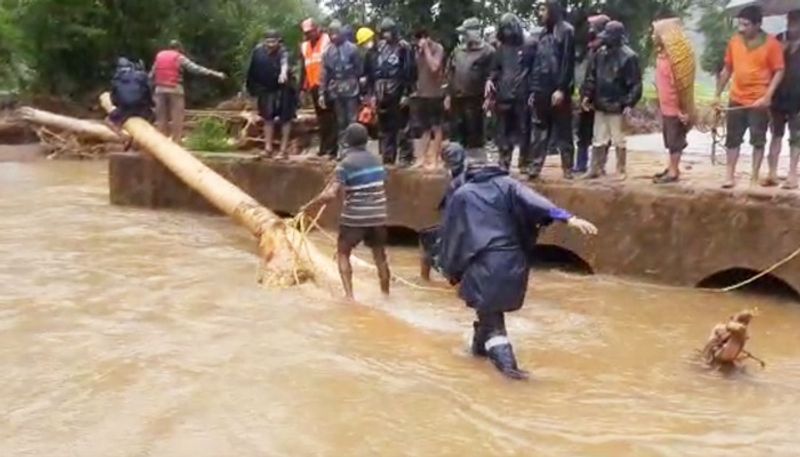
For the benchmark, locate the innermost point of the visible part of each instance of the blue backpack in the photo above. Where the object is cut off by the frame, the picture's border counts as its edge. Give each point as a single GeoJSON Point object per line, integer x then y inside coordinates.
{"type": "Point", "coordinates": [130, 88]}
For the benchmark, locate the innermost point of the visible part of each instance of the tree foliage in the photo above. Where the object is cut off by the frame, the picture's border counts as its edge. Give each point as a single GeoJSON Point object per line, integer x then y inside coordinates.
{"type": "Point", "coordinates": [442, 16]}
{"type": "Point", "coordinates": [717, 28]}
{"type": "Point", "coordinates": [72, 45]}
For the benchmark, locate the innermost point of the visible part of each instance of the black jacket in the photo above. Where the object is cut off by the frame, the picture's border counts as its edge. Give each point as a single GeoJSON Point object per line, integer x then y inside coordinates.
{"type": "Point", "coordinates": [787, 97]}
{"type": "Point", "coordinates": [554, 64]}
{"type": "Point", "coordinates": [264, 70]}
{"type": "Point", "coordinates": [613, 79]}
{"type": "Point", "coordinates": [468, 70]}
{"type": "Point", "coordinates": [390, 70]}
{"type": "Point", "coordinates": [511, 70]}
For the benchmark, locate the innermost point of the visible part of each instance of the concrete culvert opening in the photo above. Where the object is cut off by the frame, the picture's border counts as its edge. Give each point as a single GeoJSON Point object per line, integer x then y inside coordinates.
{"type": "Point", "coordinates": [402, 236]}
{"type": "Point", "coordinates": [768, 285]}
{"type": "Point", "coordinates": [551, 257]}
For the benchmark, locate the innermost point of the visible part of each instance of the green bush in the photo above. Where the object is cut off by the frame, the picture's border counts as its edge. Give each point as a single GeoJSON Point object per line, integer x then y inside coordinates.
{"type": "Point", "coordinates": [71, 46]}
{"type": "Point", "coordinates": [210, 135]}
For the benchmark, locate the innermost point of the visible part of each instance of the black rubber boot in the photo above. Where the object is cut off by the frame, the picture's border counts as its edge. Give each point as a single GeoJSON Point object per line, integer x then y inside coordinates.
{"type": "Point", "coordinates": [502, 355]}
{"type": "Point", "coordinates": [479, 337]}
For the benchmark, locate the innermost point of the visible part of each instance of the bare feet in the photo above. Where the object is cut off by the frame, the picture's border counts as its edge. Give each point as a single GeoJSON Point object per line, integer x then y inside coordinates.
{"type": "Point", "coordinates": [769, 182]}
{"type": "Point", "coordinates": [789, 185]}
{"type": "Point", "coordinates": [729, 184]}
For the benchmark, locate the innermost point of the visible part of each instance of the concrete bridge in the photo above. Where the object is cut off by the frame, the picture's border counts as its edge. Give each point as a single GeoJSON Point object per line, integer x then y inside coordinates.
{"type": "Point", "coordinates": [686, 235]}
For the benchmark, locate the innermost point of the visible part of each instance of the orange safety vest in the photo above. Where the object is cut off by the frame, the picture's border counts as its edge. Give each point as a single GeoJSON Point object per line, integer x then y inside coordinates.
{"type": "Point", "coordinates": [312, 57]}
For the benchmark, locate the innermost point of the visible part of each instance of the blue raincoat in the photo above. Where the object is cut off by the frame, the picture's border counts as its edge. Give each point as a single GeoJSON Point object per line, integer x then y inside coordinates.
{"type": "Point", "coordinates": [490, 228]}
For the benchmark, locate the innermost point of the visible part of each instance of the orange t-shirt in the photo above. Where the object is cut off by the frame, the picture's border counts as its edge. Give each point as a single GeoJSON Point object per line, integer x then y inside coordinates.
{"type": "Point", "coordinates": [753, 69]}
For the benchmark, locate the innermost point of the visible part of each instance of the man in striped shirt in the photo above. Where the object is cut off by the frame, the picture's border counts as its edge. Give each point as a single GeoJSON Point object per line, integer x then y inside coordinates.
{"type": "Point", "coordinates": [360, 176]}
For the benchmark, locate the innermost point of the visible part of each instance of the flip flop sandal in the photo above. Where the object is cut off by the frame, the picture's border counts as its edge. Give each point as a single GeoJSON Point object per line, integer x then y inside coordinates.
{"type": "Point", "coordinates": [665, 179]}
{"type": "Point", "coordinates": [662, 174]}
{"type": "Point", "coordinates": [769, 183]}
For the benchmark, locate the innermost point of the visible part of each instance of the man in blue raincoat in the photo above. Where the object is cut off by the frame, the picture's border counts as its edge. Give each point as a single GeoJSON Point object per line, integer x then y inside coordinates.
{"type": "Point", "coordinates": [490, 228]}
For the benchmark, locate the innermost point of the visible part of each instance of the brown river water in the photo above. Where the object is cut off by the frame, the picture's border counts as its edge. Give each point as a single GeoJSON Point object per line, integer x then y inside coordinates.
{"type": "Point", "coordinates": [131, 332]}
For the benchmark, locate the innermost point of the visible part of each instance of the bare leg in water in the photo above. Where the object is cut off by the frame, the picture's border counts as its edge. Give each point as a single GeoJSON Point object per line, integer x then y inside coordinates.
{"type": "Point", "coordinates": [674, 165]}
{"type": "Point", "coordinates": [346, 273]}
{"type": "Point", "coordinates": [379, 256]}
{"type": "Point", "coordinates": [772, 160]}
{"type": "Point", "coordinates": [791, 180]}
{"type": "Point", "coordinates": [434, 150]}
{"type": "Point", "coordinates": [286, 130]}
{"type": "Point", "coordinates": [730, 173]}
{"type": "Point", "coordinates": [421, 147]}
{"type": "Point", "coordinates": [758, 159]}
{"type": "Point", "coordinates": [269, 129]}
{"type": "Point", "coordinates": [424, 265]}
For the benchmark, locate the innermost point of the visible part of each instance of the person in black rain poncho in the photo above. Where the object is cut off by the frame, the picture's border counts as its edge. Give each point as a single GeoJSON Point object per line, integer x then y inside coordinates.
{"type": "Point", "coordinates": [269, 80]}
{"type": "Point", "coordinates": [612, 87]}
{"type": "Point", "coordinates": [597, 24]}
{"type": "Point", "coordinates": [508, 85]}
{"type": "Point", "coordinates": [390, 79]}
{"type": "Point", "coordinates": [552, 84]}
{"type": "Point", "coordinates": [490, 228]}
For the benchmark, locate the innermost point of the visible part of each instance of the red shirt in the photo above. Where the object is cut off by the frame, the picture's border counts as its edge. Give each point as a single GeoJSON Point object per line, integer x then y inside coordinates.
{"type": "Point", "coordinates": [665, 85]}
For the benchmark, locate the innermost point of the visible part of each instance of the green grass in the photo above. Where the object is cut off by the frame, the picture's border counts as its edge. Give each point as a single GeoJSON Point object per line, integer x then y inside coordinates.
{"type": "Point", "coordinates": [209, 135]}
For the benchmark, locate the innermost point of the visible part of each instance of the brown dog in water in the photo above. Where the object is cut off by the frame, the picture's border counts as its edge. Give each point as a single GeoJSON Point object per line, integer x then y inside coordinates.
{"type": "Point", "coordinates": [725, 346]}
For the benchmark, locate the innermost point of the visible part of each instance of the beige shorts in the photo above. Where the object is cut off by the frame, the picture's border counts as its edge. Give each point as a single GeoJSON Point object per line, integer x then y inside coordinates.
{"type": "Point", "coordinates": [608, 129]}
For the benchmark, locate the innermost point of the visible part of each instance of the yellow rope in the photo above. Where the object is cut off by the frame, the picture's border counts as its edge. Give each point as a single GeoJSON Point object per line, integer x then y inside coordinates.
{"type": "Point", "coordinates": [763, 273]}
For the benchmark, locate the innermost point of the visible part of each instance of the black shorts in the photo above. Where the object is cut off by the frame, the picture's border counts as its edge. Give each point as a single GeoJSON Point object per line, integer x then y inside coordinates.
{"type": "Point", "coordinates": [350, 237]}
{"type": "Point", "coordinates": [279, 106]}
{"type": "Point", "coordinates": [674, 134]}
{"type": "Point", "coordinates": [740, 120]}
{"type": "Point", "coordinates": [779, 122]}
{"type": "Point", "coordinates": [427, 113]}
{"type": "Point", "coordinates": [120, 115]}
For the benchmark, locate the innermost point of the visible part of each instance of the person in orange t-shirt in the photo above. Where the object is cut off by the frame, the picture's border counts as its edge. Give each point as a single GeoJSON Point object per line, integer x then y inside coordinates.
{"type": "Point", "coordinates": [754, 60]}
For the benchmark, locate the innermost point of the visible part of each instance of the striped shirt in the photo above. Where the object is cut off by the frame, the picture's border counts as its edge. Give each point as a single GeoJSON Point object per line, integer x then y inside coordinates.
{"type": "Point", "coordinates": [363, 176]}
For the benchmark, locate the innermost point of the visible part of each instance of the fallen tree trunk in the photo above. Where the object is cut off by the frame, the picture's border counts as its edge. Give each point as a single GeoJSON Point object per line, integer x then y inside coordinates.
{"type": "Point", "coordinates": [287, 256]}
{"type": "Point", "coordinates": [91, 129]}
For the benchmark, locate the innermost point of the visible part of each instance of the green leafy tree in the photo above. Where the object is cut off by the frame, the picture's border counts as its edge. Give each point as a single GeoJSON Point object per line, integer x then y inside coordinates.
{"type": "Point", "coordinates": [717, 28]}
{"type": "Point", "coordinates": [443, 16]}
{"type": "Point", "coordinates": [73, 44]}
{"type": "Point", "coordinates": [13, 65]}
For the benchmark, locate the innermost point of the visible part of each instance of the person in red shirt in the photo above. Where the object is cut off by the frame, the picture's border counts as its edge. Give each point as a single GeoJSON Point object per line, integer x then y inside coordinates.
{"type": "Point", "coordinates": [675, 119]}
{"type": "Point", "coordinates": [167, 77]}
{"type": "Point", "coordinates": [754, 60]}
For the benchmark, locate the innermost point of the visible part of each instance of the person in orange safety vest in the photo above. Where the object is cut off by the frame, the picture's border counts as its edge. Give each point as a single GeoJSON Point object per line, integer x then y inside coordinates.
{"type": "Point", "coordinates": [311, 52]}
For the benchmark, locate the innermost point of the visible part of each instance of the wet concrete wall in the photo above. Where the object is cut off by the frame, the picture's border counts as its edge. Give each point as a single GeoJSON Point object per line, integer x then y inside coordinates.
{"type": "Point", "coordinates": [671, 235]}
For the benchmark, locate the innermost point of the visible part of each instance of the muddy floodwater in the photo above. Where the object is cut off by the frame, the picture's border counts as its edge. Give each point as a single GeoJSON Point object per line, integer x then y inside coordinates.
{"type": "Point", "coordinates": [128, 332]}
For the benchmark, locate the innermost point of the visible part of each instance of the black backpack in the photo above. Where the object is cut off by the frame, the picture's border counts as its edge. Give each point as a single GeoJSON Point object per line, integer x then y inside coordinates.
{"type": "Point", "coordinates": [130, 88]}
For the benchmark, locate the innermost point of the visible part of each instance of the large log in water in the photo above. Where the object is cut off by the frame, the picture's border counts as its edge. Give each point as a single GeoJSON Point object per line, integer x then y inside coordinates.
{"type": "Point", "coordinates": [287, 256]}
{"type": "Point", "coordinates": [90, 129]}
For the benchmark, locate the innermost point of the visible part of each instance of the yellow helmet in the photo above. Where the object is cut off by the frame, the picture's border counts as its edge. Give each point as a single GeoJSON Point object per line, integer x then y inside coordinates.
{"type": "Point", "coordinates": [363, 35]}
